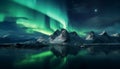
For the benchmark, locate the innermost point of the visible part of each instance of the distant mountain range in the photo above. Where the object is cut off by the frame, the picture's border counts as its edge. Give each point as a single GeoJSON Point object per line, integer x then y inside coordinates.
{"type": "Point", "coordinates": [64, 37]}
{"type": "Point", "coordinates": [72, 38]}
{"type": "Point", "coordinates": [13, 38]}
{"type": "Point", "coordinates": [103, 37]}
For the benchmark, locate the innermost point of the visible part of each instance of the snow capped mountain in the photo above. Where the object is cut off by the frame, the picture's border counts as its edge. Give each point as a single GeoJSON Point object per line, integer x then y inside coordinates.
{"type": "Point", "coordinates": [55, 34]}
{"type": "Point", "coordinates": [64, 37]}
{"type": "Point", "coordinates": [116, 35]}
{"type": "Point", "coordinates": [104, 33]}
{"type": "Point", "coordinates": [103, 37]}
{"type": "Point", "coordinates": [91, 36]}
{"type": "Point", "coordinates": [59, 37]}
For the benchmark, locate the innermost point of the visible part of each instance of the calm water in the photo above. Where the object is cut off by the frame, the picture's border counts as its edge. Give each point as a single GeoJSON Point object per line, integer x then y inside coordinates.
{"type": "Point", "coordinates": [45, 59]}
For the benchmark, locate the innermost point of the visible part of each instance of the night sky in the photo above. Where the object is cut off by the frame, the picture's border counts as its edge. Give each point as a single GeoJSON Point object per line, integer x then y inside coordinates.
{"type": "Point", "coordinates": [97, 15]}
{"type": "Point", "coordinates": [46, 16]}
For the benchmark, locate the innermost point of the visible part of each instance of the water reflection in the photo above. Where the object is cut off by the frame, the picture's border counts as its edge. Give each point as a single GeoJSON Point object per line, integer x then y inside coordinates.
{"type": "Point", "coordinates": [60, 57]}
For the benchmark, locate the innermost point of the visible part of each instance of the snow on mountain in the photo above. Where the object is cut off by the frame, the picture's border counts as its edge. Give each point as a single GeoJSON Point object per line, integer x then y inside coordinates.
{"type": "Point", "coordinates": [91, 36]}
{"type": "Point", "coordinates": [59, 37]}
{"type": "Point", "coordinates": [103, 37]}
{"type": "Point", "coordinates": [64, 37]}
{"type": "Point", "coordinates": [116, 35]}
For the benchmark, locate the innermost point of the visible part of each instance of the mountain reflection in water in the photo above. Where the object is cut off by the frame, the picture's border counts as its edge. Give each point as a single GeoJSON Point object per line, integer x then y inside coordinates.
{"type": "Point", "coordinates": [51, 58]}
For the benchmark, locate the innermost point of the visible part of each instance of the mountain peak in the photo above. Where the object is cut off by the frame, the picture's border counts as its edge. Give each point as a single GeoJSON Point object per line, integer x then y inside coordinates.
{"type": "Point", "coordinates": [91, 36]}
{"type": "Point", "coordinates": [55, 34]}
{"type": "Point", "coordinates": [116, 35]}
{"type": "Point", "coordinates": [65, 37]}
{"type": "Point", "coordinates": [64, 32]}
{"type": "Point", "coordinates": [104, 33]}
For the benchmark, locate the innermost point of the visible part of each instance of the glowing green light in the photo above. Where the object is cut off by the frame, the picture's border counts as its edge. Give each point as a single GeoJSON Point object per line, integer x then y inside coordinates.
{"type": "Point", "coordinates": [42, 55]}
{"type": "Point", "coordinates": [33, 27]}
{"type": "Point", "coordinates": [41, 58]}
{"type": "Point", "coordinates": [52, 59]}
{"type": "Point", "coordinates": [34, 22]}
{"type": "Point", "coordinates": [2, 17]}
{"type": "Point", "coordinates": [35, 58]}
{"type": "Point", "coordinates": [36, 11]}
{"type": "Point", "coordinates": [63, 62]}
{"type": "Point", "coordinates": [82, 53]}
{"type": "Point", "coordinates": [58, 65]}
{"type": "Point", "coordinates": [49, 8]}
{"type": "Point", "coordinates": [54, 25]}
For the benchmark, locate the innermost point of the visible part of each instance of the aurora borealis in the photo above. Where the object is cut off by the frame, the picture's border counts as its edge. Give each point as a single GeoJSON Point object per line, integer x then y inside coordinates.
{"type": "Point", "coordinates": [50, 8]}
{"type": "Point", "coordinates": [57, 19]}
{"type": "Point", "coordinates": [42, 58]}
{"type": "Point", "coordinates": [31, 22]}
{"type": "Point", "coordinates": [47, 58]}
{"type": "Point", "coordinates": [46, 16]}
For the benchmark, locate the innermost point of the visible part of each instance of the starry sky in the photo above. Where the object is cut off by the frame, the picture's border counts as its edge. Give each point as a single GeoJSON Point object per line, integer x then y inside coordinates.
{"type": "Point", "coordinates": [46, 16]}
{"type": "Point", "coordinates": [97, 15]}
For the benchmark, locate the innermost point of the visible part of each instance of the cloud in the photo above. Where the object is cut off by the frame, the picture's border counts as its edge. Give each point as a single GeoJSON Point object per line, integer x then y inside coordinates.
{"type": "Point", "coordinates": [102, 21]}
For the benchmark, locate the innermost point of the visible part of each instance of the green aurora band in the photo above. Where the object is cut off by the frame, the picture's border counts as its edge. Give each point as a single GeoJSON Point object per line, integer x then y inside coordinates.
{"type": "Point", "coordinates": [51, 8]}
{"type": "Point", "coordinates": [47, 56]}
{"type": "Point", "coordinates": [34, 58]}
{"type": "Point", "coordinates": [41, 58]}
{"type": "Point", "coordinates": [1, 17]}
{"type": "Point", "coordinates": [44, 16]}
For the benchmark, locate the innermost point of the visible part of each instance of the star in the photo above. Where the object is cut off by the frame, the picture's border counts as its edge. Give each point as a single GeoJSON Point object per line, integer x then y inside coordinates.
{"type": "Point", "coordinates": [95, 10]}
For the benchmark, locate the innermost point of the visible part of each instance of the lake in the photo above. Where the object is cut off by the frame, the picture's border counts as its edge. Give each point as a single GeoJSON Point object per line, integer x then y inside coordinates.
{"type": "Point", "coordinates": [44, 58]}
